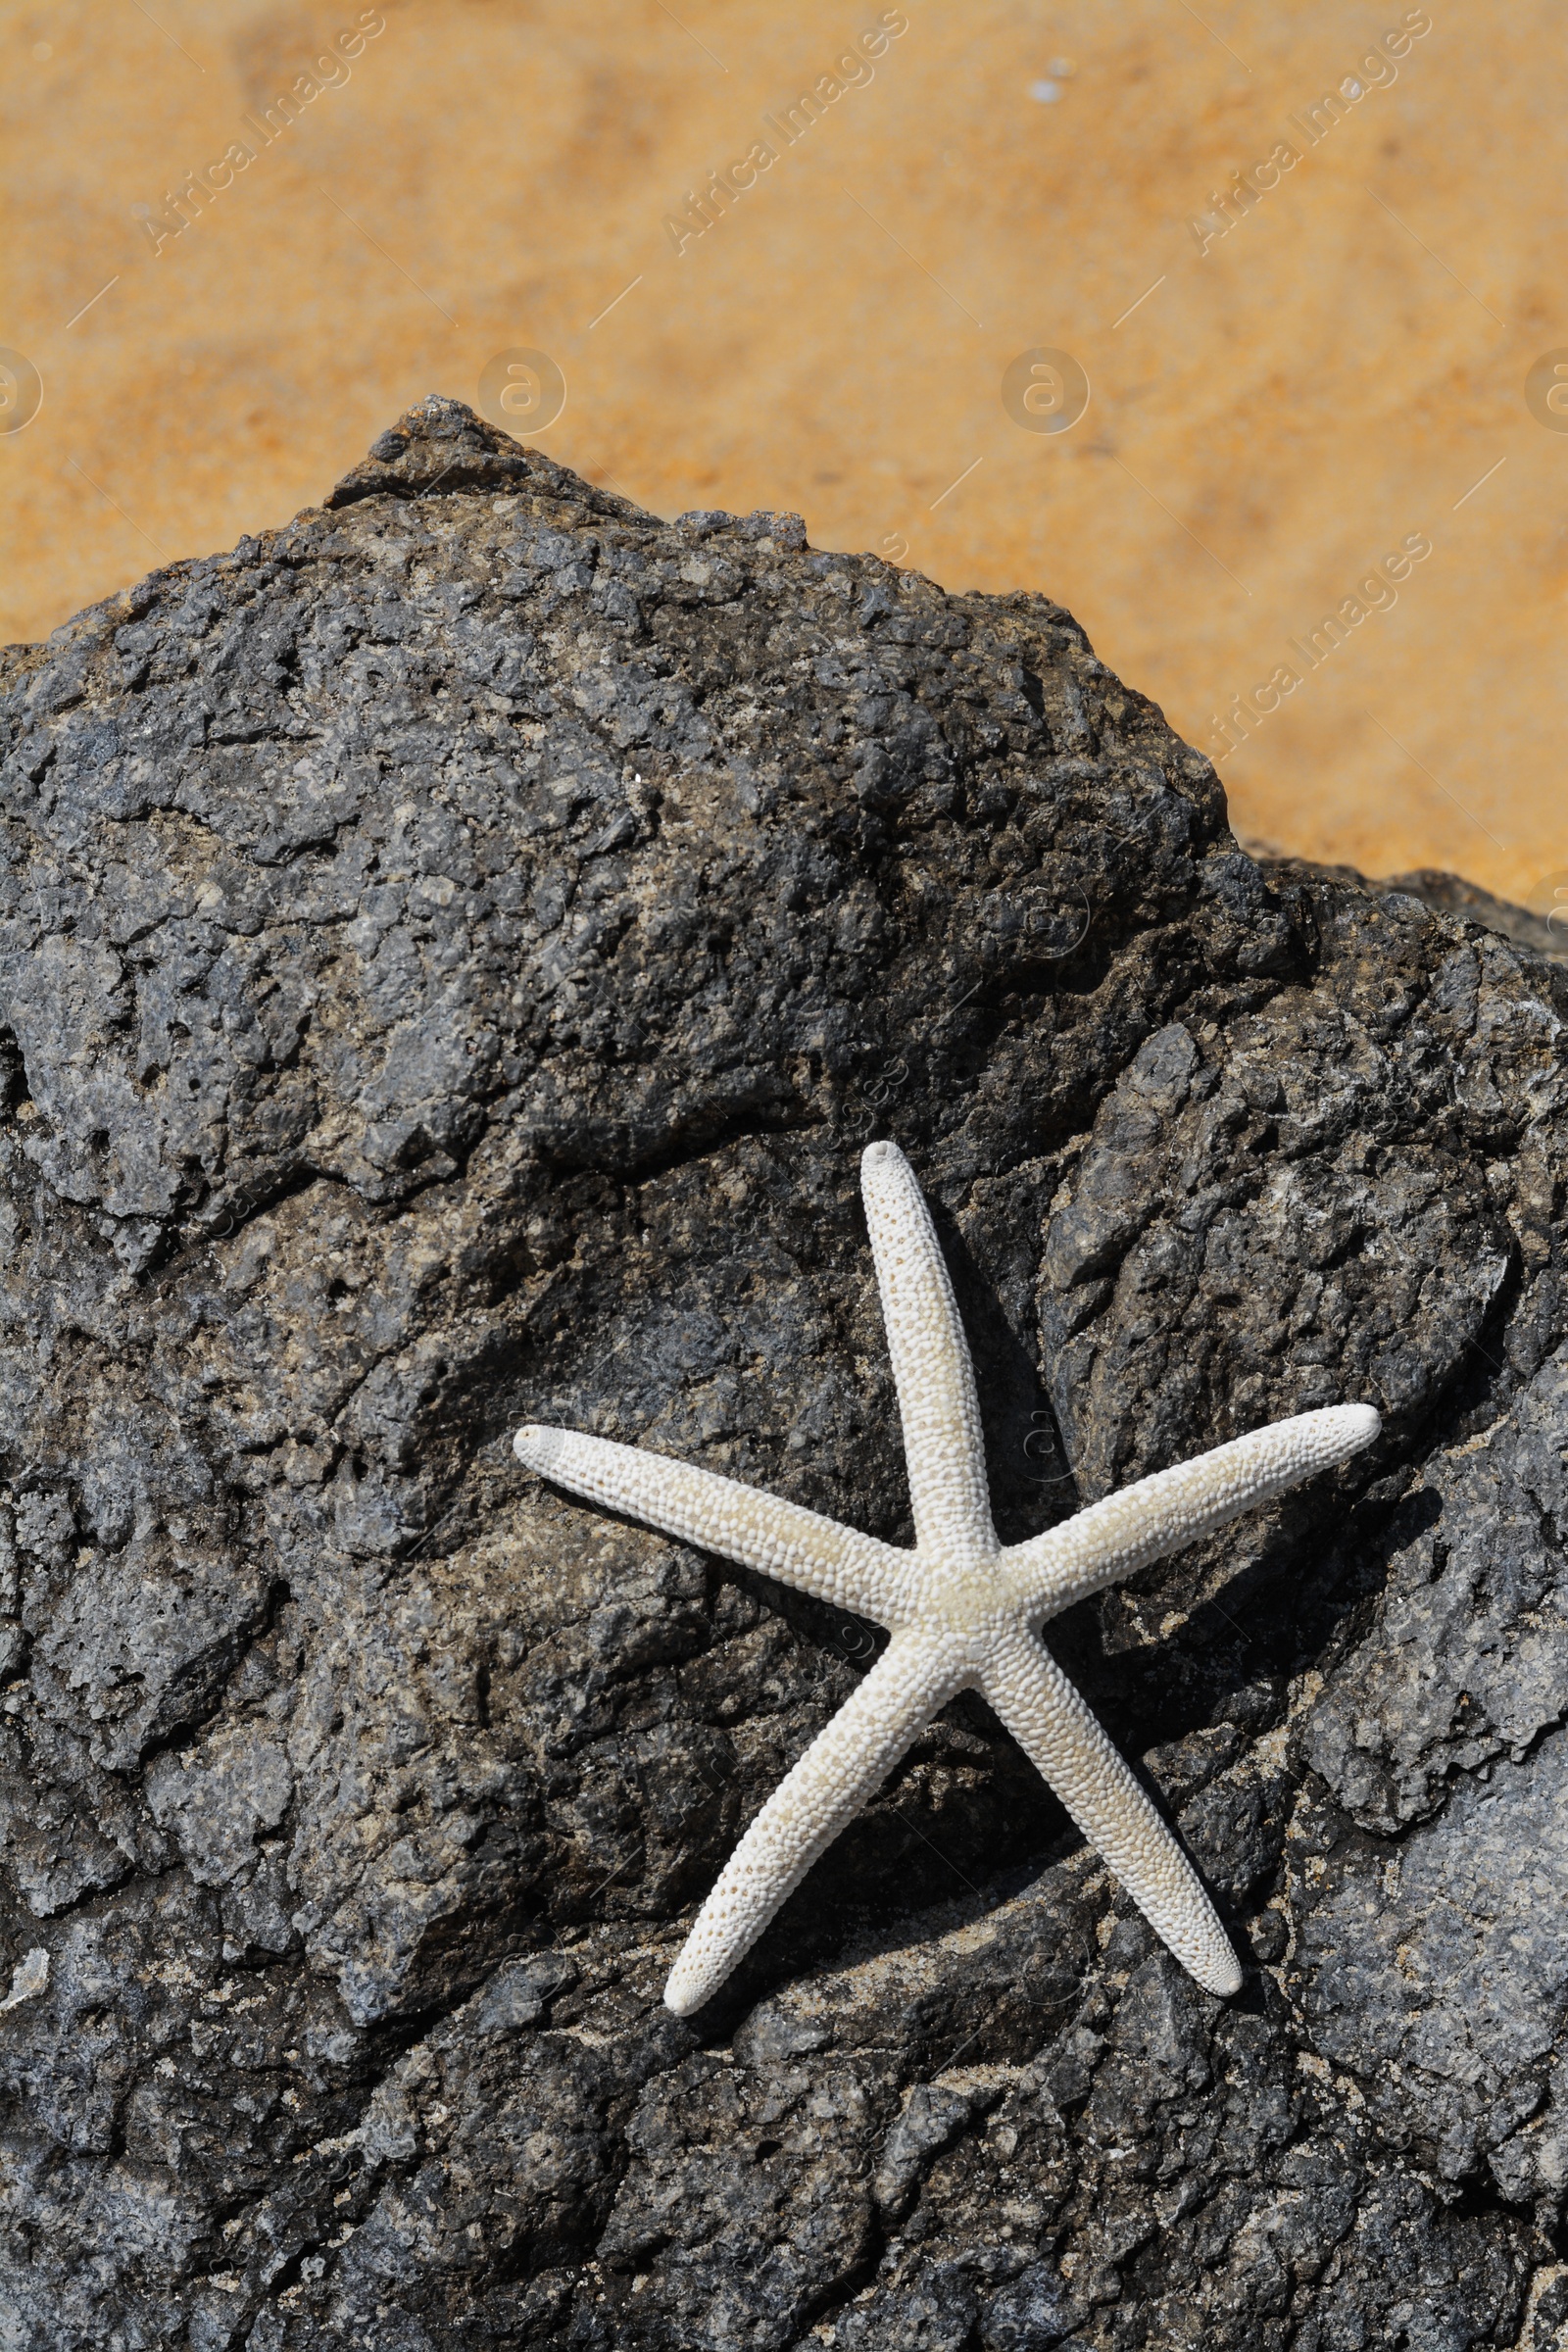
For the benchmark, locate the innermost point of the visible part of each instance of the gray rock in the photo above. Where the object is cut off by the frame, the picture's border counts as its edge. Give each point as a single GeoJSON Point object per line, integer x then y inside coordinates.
{"type": "Point", "coordinates": [452, 952]}
{"type": "Point", "coordinates": [1455, 895]}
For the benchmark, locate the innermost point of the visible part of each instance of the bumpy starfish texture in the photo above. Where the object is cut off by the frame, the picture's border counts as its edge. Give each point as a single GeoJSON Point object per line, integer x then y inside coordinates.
{"type": "Point", "coordinates": [963, 1609]}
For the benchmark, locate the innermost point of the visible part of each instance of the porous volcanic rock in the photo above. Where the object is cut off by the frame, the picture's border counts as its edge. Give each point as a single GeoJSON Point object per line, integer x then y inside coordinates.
{"type": "Point", "coordinates": [452, 953]}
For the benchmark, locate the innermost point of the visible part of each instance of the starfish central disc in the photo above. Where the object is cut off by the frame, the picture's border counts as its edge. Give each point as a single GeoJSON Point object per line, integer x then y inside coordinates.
{"type": "Point", "coordinates": [963, 1612]}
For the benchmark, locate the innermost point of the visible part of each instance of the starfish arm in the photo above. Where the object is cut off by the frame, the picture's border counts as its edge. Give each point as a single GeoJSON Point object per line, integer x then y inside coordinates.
{"type": "Point", "coordinates": [1157, 1515]}
{"type": "Point", "coordinates": [943, 1444]}
{"type": "Point", "coordinates": [762, 1531]}
{"type": "Point", "coordinates": [1056, 1731]}
{"type": "Point", "coordinates": [839, 1772]}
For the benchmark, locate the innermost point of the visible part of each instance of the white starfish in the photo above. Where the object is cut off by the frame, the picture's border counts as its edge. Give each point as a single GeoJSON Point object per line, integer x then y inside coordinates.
{"type": "Point", "coordinates": [963, 1610]}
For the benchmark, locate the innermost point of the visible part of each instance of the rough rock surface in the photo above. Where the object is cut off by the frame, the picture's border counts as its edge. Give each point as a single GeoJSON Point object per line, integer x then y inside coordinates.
{"type": "Point", "coordinates": [452, 952]}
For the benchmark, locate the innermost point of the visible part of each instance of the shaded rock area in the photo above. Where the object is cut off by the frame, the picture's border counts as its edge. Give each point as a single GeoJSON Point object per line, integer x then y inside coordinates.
{"type": "Point", "coordinates": [452, 953]}
{"type": "Point", "coordinates": [1452, 893]}
{"type": "Point", "coordinates": [1547, 934]}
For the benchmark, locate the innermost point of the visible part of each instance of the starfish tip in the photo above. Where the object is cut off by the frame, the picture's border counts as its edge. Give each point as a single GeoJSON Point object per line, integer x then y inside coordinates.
{"type": "Point", "coordinates": [1363, 1423]}
{"type": "Point", "coordinates": [537, 1447]}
